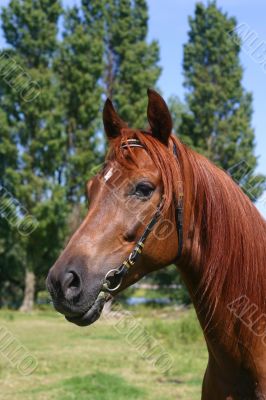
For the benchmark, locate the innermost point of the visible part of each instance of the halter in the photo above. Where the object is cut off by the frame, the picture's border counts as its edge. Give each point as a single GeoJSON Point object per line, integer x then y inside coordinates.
{"type": "Point", "coordinates": [114, 277]}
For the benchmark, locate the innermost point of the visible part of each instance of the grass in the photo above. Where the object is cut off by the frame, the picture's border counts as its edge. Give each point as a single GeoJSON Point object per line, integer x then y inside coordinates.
{"type": "Point", "coordinates": [105, 360]}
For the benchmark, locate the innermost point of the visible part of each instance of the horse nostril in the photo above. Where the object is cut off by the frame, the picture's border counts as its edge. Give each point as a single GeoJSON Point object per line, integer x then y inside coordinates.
{"type": "Point", "coordinates": [71, 285]}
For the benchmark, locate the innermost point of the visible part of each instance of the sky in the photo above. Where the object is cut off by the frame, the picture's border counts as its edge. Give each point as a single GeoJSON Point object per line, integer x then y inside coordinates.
{"type": "Point", "coordinates": [168, 24]}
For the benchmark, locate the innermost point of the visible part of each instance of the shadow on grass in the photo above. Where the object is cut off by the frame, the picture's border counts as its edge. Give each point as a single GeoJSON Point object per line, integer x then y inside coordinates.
{"type": "Point", "coordinates": [99, 386]}
{"type": "Point", "coordinates": [96, 386]}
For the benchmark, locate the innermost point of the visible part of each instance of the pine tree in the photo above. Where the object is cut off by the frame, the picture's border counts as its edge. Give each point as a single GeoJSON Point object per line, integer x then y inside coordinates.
{"type": "Point", "coordinates": [131, 63]}
{"type": "Point", "coordinates": [219, 122]}
{"type": "Point", "coordinates": [30, 30]}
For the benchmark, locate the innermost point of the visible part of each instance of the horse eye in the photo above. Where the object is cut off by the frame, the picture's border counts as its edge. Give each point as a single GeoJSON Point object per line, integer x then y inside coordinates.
{"type": "Point", "coordinates": [143, 190]}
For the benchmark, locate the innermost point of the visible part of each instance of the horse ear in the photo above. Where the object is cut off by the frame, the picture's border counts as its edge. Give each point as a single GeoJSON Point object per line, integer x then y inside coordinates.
{"type": "Point", "coordinates": [159, 117]}
{"type": "Point", "coordinates": [111, 121]}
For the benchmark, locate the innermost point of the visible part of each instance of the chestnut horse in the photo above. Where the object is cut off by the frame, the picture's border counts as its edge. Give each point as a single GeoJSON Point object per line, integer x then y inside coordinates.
{"type": "Point", "coordinates": [217, 239]}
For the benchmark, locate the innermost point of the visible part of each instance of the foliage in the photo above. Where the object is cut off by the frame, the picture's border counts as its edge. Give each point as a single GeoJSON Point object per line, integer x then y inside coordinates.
{"type": "Point", "coordinates": [79, 66]}
{"type": "Point", "coordinates": [219, 122]}
{"type": "Point", "coordinates": [171, 276]}
{"type": "Point", "coordinates": [34, 126]}
{"type": "Point", "coordinates": [51, 135]}
{"type": "Point", "coordinates": [177, 110]}
{"type": "Point", "coordinates": [131, 64]}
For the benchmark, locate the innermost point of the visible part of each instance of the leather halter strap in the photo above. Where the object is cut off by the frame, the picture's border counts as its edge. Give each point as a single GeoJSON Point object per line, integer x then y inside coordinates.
{"type": "Point", "coordinates": [114, 277]}
{"type": "Point", "coordinates": [179, 214]}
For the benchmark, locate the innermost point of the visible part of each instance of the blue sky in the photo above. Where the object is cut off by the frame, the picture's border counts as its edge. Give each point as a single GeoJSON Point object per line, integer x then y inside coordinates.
{"type": "Point", "coordinates": [169, 25]}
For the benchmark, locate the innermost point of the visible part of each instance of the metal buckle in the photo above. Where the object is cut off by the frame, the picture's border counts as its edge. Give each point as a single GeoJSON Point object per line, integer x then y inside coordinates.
{"type": "Point", "coordinates": [131, 143]}
{"type": "Point", "coordinates": [112, 273]}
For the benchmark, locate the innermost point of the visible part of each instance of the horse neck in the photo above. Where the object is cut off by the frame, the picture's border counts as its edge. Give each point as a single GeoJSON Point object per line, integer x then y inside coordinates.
{"type": "Point", "coordinates": [225, 248]}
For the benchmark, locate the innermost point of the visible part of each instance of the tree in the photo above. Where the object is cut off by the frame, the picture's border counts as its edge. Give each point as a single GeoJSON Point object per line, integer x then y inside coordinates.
{"type": "Point", "coordinates": [10, 250]}
{"type": "Point", "coordinates": [30, 96]}
{"type": "Point", "coordinates": [131, 64]}
{"type": "Point", "coordinates": [79, 67]}
{"type": "Point", "coordinates": [50, 101]}
{"type": "Point", "coordinates": [177, 110]}
{"type": "Point", "coordinates": [219, 122]}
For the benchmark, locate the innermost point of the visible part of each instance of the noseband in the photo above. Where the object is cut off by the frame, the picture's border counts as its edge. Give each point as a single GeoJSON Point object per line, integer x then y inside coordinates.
{"type": "Point", "coordinates": [114, 277]}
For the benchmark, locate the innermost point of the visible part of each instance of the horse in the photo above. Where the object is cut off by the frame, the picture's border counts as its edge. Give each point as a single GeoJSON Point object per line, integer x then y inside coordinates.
{"type": "Point", "coordinates": [157, 202]}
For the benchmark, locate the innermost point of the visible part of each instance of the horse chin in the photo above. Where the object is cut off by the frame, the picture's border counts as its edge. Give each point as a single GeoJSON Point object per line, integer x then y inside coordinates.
{"type": "Point", "coordinates": [92, 314]}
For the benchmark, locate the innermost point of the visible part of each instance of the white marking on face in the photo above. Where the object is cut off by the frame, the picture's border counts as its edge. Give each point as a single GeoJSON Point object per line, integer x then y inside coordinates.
{"type": "Point", "coordinates": [108, 174]}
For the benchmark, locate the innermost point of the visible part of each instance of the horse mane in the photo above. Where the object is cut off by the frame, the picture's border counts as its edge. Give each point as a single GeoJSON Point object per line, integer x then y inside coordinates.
{"type": "Point", "coordinates": [227, 235]}
{"type": "Point", "coordinates": [231, 240]}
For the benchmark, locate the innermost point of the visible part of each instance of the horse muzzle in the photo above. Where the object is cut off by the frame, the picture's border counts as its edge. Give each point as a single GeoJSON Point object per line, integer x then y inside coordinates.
{"type": "Point", "coordinates": [74, 296]}
{"type": "Point", "coordinates": [92, 314]}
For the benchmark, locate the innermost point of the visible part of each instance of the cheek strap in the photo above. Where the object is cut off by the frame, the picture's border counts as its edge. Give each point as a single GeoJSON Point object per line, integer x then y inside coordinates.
{"type": "Point", "coordinates": [113, 278]}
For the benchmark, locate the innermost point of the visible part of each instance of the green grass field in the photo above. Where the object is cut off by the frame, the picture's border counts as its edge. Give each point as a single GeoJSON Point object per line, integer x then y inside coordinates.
{"type": "Point", "coordinates": [103, 361]}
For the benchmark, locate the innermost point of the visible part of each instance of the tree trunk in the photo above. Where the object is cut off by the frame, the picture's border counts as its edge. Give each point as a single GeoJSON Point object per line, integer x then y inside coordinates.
{"type": "Point", "coordinates": [28, 301]}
